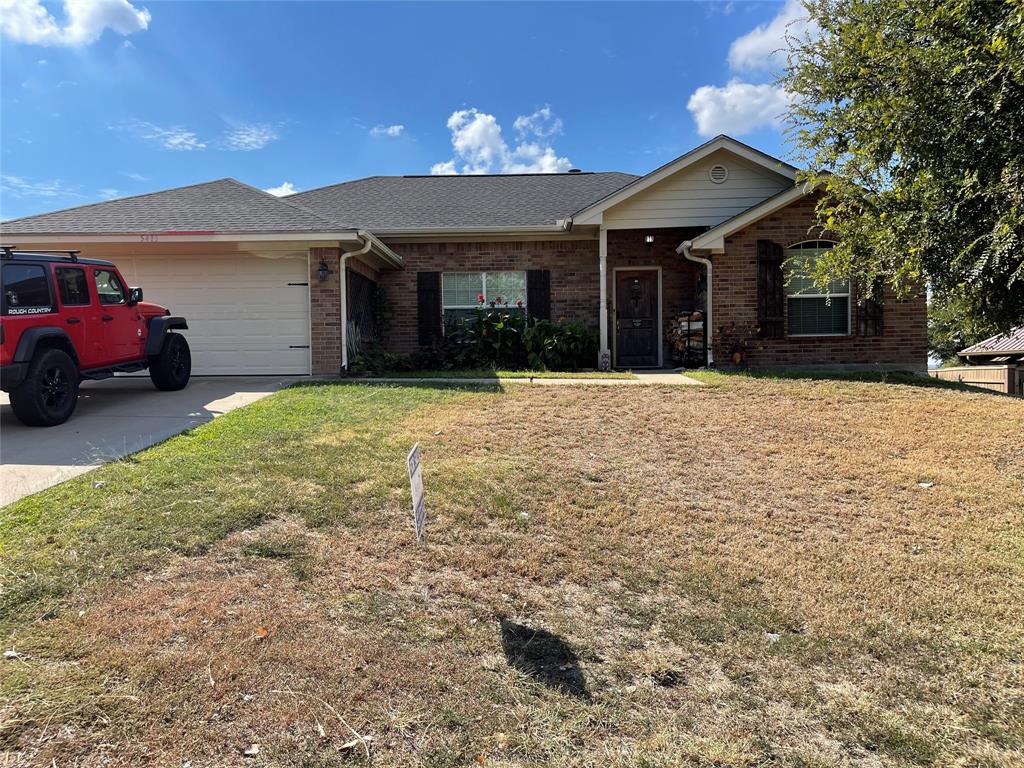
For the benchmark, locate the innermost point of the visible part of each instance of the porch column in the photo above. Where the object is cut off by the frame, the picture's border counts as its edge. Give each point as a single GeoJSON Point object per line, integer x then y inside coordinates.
{"type": "Point", "coordinates": [605, 356]}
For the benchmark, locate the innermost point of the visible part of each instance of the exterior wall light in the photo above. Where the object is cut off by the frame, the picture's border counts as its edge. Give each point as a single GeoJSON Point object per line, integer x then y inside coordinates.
{"type": "Point", "coordinates": [322, 271]}
{"type": "Point", "coordinates": [649, 239]}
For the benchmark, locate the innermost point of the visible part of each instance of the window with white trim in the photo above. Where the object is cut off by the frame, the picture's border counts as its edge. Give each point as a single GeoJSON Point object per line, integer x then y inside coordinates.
{"type": "Point", "coordinates": [463, 293]}
{"type": "Point", "coordinates": [810, 311]}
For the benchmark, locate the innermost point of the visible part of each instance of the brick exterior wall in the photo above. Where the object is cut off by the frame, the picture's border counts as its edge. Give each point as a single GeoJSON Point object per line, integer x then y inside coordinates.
{"type": "Point", "coordinates": [325, 311]}
{"type": "Point", "coordinates": [575, 292]}
{"type": "Point", "coordinates": [573, 266]}
{"type": "Point", "coordinates": [903, 343]}
{"type": "Point", "coordinates": [325, 308]}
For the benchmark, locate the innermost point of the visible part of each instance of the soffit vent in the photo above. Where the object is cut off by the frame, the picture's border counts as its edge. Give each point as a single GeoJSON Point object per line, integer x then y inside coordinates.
{"type": "Point", "coordinates": [718, 173]}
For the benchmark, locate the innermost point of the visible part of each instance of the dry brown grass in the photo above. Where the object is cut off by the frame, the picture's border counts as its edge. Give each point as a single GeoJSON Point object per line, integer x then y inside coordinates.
{"type": "Point", "coordinates": [749, 575]}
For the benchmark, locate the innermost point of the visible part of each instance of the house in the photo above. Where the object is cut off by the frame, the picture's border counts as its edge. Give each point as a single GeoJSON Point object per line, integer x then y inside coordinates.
{"type": "Point", "coordinates": [260, 277]}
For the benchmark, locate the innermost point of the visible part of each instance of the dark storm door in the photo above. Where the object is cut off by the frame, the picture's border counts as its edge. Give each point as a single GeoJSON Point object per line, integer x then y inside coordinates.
{"type": "Point", "coordinates": [636, 318]}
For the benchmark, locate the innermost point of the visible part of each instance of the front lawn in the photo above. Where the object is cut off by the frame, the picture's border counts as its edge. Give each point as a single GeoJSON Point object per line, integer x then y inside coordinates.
{"type": "Point", "coordinates": [492, 374]}
{"type": "Point", "coordinates": [770, 572]}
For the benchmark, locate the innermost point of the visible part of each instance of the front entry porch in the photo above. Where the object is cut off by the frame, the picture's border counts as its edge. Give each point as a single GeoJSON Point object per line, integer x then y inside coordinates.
{"type": "Point", "coordinates": [646, 288]}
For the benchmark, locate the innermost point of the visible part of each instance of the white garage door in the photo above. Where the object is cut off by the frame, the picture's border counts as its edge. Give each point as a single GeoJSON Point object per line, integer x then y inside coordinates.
{"type": "Point", "coordinates": [246, 314]}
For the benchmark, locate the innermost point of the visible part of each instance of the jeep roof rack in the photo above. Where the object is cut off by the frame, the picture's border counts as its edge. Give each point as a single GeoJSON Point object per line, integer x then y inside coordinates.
{"type": "Point", "coordinates": [9, 251]}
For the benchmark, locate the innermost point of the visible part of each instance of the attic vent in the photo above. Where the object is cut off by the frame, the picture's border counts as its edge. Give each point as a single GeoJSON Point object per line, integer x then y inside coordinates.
{"type": "Point", "coordinates": [575, 170]}
{"type": "Point", "coordinates": [718, 173]}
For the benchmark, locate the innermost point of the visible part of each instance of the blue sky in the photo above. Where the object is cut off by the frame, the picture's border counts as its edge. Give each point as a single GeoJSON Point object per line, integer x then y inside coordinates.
{"type": "Point", "coordinates": [121, 98]}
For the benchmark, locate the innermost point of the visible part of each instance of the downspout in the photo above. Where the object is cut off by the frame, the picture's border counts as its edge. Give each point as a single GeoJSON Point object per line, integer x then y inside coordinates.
{"type": "Point", "coordinates": [684, 249]}
{"type": "Point", "coordinates": [343, 294]}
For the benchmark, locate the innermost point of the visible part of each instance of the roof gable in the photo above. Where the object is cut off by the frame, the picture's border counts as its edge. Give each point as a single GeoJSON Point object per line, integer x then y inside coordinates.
{"type": "Point", "coordinates": [750, 159]}
{"type": "Point", "coordinates": [222, 206]}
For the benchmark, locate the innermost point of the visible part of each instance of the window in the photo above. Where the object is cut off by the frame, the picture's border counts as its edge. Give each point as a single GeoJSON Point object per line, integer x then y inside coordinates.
{"type": "Point", "coordinates": [811, 312]}
{"type": "Point", "coordinates": [26, 290]}
{"type": "Point", "coordinates": [462, 293]}
{"type": "Point", "coordinates": [109, 287]}
{"type": "Point", "coordinates": [72, 287]}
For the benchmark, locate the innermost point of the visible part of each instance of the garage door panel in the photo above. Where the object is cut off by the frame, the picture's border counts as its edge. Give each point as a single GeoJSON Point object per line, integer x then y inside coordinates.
{"type": "Point", "coordinates": [243, 316]}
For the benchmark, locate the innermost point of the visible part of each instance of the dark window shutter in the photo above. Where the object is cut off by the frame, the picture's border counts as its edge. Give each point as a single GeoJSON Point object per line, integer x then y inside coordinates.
{"type": "Point", "coordinates": [428, 307]}
{"type": "Point", "coordinates": [771, 290]}
{"type": "Point", "coordinates": [538, 293]}
{"type": "Point", "coordinates": [869, 315]}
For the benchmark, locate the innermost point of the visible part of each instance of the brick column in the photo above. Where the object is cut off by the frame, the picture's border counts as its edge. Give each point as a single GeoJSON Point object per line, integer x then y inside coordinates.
{"type": "Point", "coordinates": [325, 312]}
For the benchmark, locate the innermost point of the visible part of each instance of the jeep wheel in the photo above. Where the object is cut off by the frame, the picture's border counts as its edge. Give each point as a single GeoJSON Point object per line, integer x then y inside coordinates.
{"type": "Point", "coordinates": [49, 393]}
{"type": "Point", "coordinates": [171, 369]}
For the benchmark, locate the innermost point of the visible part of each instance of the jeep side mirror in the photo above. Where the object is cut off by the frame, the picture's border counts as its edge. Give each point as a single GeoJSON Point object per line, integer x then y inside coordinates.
{"type": "Point", "coordinates": [134, 295]}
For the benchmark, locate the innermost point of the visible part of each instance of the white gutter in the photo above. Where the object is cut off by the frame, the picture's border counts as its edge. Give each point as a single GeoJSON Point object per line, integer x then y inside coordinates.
{"type": "Point", "coordinates": [343, 293]}
{"type": "Point", "coordinates": [684, 249]}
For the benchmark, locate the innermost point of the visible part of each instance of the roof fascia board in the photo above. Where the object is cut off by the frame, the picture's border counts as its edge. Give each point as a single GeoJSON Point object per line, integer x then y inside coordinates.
{"type": "Point", "coordinates": [714, 239]}
{"type": "Point", "coordinates": [443, 231]}
{"type": "Point", "coordinates": [173, 237]}
{"type": "Point", "coordinates": [593, 214]}
{"type": "Point", "coordinates": [380, 251]}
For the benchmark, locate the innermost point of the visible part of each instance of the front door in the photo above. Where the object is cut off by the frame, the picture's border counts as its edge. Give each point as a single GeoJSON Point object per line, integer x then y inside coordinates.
{"type": "Point", "coordinates": [637, 335]}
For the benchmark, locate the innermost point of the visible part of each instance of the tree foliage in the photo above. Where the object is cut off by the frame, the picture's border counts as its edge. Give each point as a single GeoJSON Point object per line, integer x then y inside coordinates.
{"type": "Point", "coordinates": [911, 115]}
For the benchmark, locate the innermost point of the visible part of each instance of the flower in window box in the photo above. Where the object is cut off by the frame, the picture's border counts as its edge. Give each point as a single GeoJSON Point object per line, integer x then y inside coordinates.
{"type": "Point", "coordinates": [501, 300]}
{"type": "Point", "coordinates": [479, 298]}
{"type": "Point", "coordinates": [519, 303]}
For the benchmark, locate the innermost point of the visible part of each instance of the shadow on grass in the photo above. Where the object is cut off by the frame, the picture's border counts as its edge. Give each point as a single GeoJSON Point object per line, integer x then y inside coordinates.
{"type": "Point", "coordinates": [544, 656]}
{"type": "Point", "coordinates": [877, 377]}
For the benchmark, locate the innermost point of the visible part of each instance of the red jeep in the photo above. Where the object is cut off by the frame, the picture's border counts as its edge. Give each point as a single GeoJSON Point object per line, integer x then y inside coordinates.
{"type": "Point", "coordinates": [64, 319]}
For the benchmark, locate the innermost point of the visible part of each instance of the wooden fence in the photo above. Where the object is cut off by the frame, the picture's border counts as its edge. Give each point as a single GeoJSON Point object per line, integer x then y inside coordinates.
{"type": "Point", "coordinates": [1008, 379]}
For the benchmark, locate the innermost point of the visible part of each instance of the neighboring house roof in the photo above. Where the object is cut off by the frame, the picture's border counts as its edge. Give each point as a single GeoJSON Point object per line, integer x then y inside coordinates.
{"type": "Point", "coordinates": [222, 206]}
{"type": "Point", "coordinates": [1009, 343]}
{"type": "Point", "coordinates": [591, 212]}
{"type": "Point", "coordinates": [390, 204]}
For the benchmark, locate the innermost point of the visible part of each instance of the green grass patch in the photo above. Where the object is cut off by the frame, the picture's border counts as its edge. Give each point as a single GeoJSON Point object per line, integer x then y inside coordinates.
{"type": "Point", "coordinates": [312, 453]}
{"type": "Point", "coordinates": [725, 376]}
{"type": "Point", "coordinates": [492, 374]}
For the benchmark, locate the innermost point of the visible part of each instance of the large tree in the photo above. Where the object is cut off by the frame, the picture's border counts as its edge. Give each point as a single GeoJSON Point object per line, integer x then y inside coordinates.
{"type": "Point", "coordinates": [910, 114]}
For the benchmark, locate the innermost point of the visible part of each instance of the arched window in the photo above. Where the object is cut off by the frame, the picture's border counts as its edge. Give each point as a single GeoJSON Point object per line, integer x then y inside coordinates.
{"type": "Point", "coordinates": [810, 311]}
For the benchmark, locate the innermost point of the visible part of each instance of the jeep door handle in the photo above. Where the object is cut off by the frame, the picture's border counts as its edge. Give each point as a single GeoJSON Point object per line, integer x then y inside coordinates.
{"type": "Point", "coordinates": [74, 320]}
{"type": "Point", "coordinates": [107, 318]}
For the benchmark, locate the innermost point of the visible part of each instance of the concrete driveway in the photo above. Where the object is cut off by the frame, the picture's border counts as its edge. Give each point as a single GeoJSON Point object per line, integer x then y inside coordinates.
{"type": "Point", "coordinates": [114, 417]}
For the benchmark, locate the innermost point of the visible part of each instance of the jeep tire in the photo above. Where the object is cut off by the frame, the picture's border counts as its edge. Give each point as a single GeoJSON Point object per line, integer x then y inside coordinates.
{"type": "Point", "coordinates": [170, 370]}
{"type": "Point", "coordinates": [49, 393]}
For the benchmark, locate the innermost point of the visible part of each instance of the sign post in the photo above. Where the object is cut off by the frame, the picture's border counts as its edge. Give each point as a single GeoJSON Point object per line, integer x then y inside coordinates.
{"type": "Point", "coordinates": [419, 509]}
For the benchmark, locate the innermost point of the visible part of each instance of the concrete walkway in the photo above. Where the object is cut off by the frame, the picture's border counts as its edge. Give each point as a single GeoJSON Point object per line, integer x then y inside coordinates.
{"type": "Point", "coordinates": [643, 378]}
{"type": "Point", "coordinates": [113, 418]}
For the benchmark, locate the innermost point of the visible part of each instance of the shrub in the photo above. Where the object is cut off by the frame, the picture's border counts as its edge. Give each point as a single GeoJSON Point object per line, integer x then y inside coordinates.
{"type": "Point", "coordinates": [496, 338]}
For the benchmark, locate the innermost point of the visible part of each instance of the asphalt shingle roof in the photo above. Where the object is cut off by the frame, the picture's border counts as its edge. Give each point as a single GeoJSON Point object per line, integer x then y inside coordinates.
{"type": "Point", "coordinates": [389, 203]}
{"type": "Point", "coordinates": [225, 205]}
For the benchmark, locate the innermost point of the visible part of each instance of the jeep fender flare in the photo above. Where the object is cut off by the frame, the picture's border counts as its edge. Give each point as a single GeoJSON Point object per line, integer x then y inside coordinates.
{"type": "Point", "coordinates": [32, 337]}
{"type": "Point", "coordinates": [158, 328]}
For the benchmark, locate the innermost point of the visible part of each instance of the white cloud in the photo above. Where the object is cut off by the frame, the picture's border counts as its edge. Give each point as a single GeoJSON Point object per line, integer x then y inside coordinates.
{"type": "Point", "coordinates": [737, 107]}
{"type": "Point", "coordinates": [174, 137]}
{"type": "Point", "coordinates": [246, 138]}
{"type": "Point", "coordinates": [447, 168]}
{"type": "Point", "coordinates": [287, 188]}
{"type": "Point", "coordinates": [542, 124]}
{"type": "Point", "coordinates": [387, 130]}
{"type": "Point", "coordinates": [134, 176]}
{"type": "Point", "coordinates": [480, 147]}
{"type": "Point", "coordinates": [19, 186]}
{"type": "Point", "coordinates": [28, 21]}
{"type": "Point", "coordinates": [109, 193]}
{"type": "Point", "coordinates": [764, 47]}
{"type": "Point", "coordinates": [741, 107]}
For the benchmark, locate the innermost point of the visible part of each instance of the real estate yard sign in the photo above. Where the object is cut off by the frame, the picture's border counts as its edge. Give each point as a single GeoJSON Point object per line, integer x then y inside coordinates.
{"type": "Point", "coordinates": [419, 510]}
